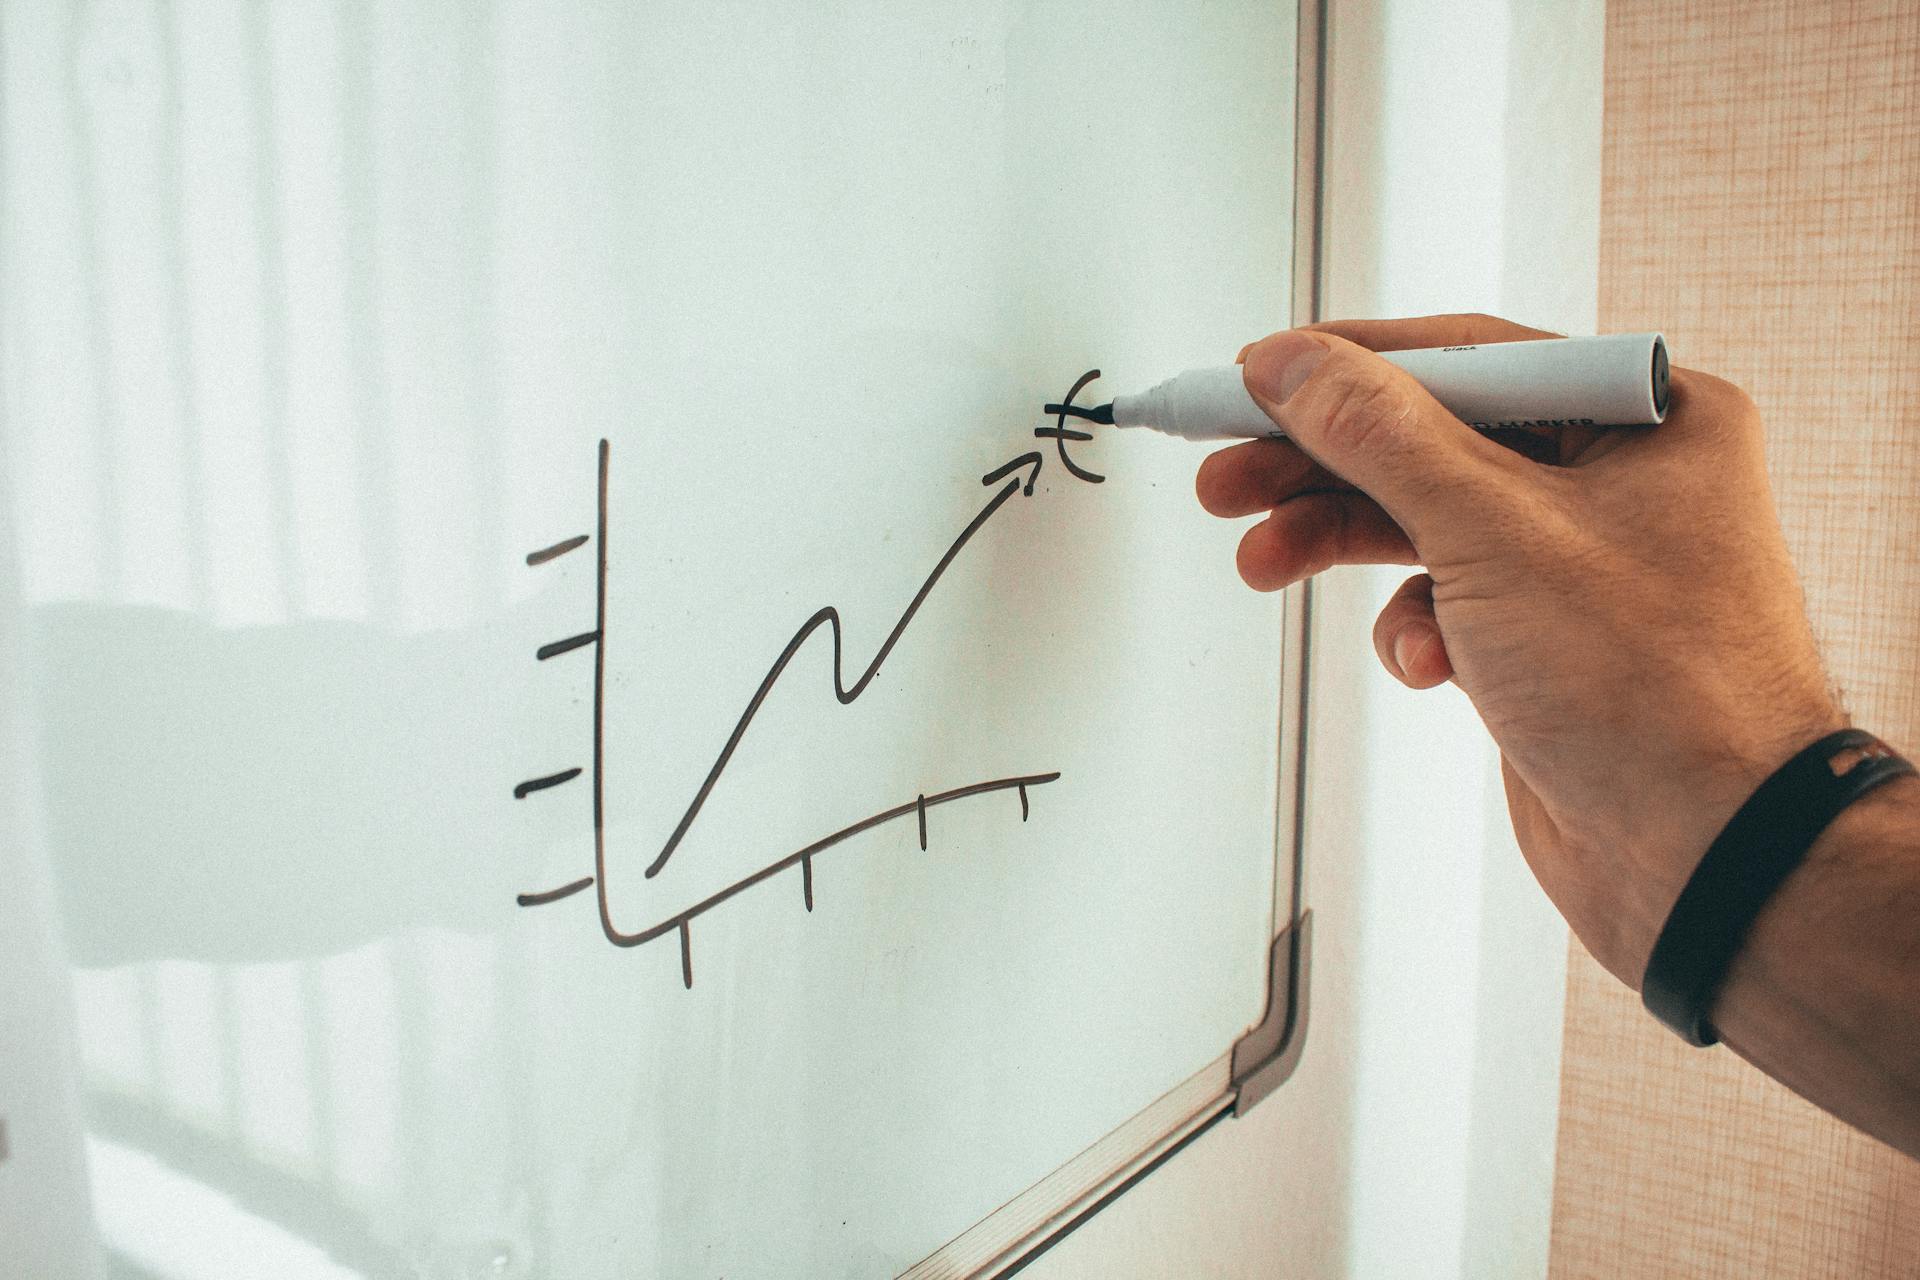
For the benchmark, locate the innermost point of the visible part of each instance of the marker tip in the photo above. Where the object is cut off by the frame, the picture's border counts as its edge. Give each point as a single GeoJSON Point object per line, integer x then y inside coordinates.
{"type": "Point", "coordinates": [1102, 414]}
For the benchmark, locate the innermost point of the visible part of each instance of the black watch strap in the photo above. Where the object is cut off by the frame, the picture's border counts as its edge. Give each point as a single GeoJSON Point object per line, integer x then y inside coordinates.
{"type": "Point", "coordinates": [1759, 848]}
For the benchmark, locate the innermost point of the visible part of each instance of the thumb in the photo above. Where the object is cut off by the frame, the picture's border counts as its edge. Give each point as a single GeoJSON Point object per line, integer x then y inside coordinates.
{"type": "Point", "coordinates": [1371, 424]}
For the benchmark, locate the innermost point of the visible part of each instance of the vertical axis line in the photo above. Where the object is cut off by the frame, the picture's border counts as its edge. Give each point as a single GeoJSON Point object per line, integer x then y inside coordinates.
{"type": "Point", "coordinates": [600, 699]}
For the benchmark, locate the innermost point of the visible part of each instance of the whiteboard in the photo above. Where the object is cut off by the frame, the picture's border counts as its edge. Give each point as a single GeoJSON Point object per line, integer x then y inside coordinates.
{"type": "Point", "coordinates": [562, 719]}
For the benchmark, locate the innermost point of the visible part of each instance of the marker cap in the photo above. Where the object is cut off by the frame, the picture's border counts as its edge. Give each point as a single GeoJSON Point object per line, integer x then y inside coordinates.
{"type": "Point", "coordinates": [1615, 380]}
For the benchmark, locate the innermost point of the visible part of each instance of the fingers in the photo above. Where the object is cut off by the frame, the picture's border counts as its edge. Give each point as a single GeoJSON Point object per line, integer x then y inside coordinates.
{"type": "Point", "coordinates": [1258, 476]}
{"type": "Point", "coordinates": [1407, 637]}
{"type": "Point", "coordinates": [1372, 424]}
{"type": "Point", "coordinates": [1317, 531]}
{"type": "Point", "coordinates": [1425, 331]}
{"type": "Point", "coordinates": [1430, 331]}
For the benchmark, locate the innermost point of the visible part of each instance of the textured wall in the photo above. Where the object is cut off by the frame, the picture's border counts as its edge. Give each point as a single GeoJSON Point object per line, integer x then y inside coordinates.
{"type": "Point", "coordinates": [1761, 204]}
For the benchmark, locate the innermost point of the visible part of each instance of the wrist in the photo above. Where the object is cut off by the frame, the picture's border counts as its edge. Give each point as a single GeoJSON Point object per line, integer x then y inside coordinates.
{"type": "Point", "coordinates": [1863, 863]}
{"type": "Point", "coordinates": [1762, 845]}
{"type": "Point", "coordinates": [1703, 796]}
{"type": "Point", "coordinates": [1822, 996]}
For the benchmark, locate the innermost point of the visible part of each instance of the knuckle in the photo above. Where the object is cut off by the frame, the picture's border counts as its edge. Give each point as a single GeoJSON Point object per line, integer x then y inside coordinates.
{"type": "Point", "coordinates": [1728, 406]}
{"type": "Point", "coordinates": [1360, 410]}
{"type": "Point", "coordinates": [1416, 593]}
{"type": "Point", "coordinates": [1484, 326]}
{"type": "Point", "coordinates": [1334, 535]}
{"type": "Point", "coordinates": [1472, 326]}
{"type": "Point", "coordinates": [1715, 392]}
{"type": "Point", "coordinates": [1742, 407]}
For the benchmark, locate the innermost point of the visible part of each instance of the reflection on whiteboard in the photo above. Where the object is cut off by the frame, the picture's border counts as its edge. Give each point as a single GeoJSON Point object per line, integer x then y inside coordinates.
{"type": "Point", "coordinates": [1019, 475]}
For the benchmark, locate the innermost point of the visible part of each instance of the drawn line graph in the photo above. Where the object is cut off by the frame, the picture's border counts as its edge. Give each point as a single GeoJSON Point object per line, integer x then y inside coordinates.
{"type": "Point", "coordinates": [844, 693]}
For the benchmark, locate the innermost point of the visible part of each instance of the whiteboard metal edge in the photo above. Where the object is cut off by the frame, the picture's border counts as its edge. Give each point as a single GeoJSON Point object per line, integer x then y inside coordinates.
{"type": "Point", "coordinates": [1267, 1055]}
{"type": "Point", "coordinates": [1011, 1236]}
{"type": "Point", "coordinates": [1012, 1233]}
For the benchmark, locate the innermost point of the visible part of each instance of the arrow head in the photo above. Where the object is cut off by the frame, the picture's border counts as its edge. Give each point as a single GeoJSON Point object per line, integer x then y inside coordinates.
{"type": "Point", "coordinates": [1001, 472]}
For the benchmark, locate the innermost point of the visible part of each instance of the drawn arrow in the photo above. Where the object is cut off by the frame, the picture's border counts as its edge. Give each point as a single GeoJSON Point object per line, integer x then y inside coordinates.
{"type": "Point", "coordinates": [829, 617]}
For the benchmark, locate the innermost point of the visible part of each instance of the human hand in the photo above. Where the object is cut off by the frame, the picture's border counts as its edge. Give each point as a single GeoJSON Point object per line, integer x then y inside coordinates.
{"type": "Point", "coordinates": [1622, 612]}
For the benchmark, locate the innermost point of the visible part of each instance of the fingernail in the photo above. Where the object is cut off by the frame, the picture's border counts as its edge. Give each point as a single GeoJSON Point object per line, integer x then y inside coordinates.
{"type": "Point", "coordinates": [1277, 366]}
{"type": "Point", "coordinates": [1408, 643]}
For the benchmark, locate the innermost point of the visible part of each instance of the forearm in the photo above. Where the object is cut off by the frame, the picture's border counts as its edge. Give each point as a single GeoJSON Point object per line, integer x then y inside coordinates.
{"type": "Point", "coordinates": [1825, 994]}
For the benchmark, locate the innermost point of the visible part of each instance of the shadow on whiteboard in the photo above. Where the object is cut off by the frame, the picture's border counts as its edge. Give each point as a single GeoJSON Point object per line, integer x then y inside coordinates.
{"type": "Point", "coordinates": [235, 803]}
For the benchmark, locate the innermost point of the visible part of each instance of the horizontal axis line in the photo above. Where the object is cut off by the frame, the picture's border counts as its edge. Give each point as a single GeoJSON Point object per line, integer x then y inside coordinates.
{"type": "Point", "coordinates": [918, 804]}
{"type": "Point", "coordinates": [865, 824]}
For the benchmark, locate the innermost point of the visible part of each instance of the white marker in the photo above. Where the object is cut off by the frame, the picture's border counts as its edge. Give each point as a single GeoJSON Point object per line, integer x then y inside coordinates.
{"type": "Point", "coordinates": [1616, 380]}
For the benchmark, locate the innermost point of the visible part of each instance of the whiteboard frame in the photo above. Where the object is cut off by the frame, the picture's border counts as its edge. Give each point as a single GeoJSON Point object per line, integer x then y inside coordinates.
{"type": "Point", "coordinates": [1019, 1231]}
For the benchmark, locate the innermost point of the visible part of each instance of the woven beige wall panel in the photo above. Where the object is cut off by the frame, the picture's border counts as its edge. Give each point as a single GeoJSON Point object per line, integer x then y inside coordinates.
{"type": "Point", "coordinates": [1761, 204]}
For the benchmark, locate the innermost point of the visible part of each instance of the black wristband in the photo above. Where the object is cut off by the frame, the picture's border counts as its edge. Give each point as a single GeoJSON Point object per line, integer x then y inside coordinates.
{"type": "Point", "coordinates": [1746, 863]}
